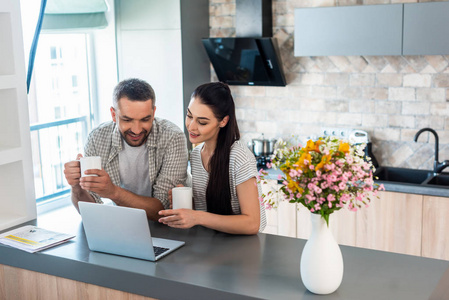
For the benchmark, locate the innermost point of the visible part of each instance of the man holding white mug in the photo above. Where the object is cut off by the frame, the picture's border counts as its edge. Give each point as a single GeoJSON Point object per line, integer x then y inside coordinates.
{"type": "Point", "coordinates": [142, 157]}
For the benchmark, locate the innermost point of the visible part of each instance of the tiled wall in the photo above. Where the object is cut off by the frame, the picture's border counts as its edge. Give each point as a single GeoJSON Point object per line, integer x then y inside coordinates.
{"type": "Point", "coordinates": [391, 97]}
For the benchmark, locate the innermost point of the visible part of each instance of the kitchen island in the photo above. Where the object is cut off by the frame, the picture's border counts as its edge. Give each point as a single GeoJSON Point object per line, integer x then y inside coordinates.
{"type": "Point", "coordinates": [214, 265]}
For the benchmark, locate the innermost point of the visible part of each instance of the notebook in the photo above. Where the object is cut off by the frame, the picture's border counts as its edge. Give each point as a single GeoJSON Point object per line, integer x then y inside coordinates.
{"type": "Point", "coordinates": [122, 231]}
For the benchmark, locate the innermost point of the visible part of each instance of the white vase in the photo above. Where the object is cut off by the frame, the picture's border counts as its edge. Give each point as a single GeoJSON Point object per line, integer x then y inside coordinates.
{"type": "Point", "coordinates": [321, 259]}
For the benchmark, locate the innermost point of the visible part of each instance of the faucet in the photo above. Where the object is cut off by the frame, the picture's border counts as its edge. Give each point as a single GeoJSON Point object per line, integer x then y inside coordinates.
{"type": "Point", "coordinates": [437, 166]}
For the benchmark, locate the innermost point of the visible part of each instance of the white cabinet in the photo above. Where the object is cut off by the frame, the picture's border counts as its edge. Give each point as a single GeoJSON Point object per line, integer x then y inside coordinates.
{"type": "Point", "coordinates": [280, 220]}
{"type": "Point", "coordinates": [160, 42]}
{"type": "Point", "coordinates": [17, 200]}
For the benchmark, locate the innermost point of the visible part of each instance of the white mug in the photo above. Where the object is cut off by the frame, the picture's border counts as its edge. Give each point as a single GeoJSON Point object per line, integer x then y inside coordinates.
{"type": "Point", "coordinates": [90, 162]}
{"type": "Point", "coordinates": [182, 197]}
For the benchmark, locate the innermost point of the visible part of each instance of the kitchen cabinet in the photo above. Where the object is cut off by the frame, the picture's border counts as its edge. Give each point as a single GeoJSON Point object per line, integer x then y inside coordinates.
{"type": "Point", "coordinates": [392, 223]}
{"type": "Point", "coordinates": [435, 237]}
{"type": "Point", "coordinates": [349, 30]}
{"type": "Point", "coordinates": [17, 200]}
{"type": "Point", "coordinates": [160, 42]}
{"type": "Point", "coordinates": [391, 29]}
{"type": "Point", "coordinates": [426, 28]}
{"type": "Point", "coordinates": [280, 220]}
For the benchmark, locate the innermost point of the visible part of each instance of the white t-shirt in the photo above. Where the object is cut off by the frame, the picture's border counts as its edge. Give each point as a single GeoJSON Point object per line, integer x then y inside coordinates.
{"type": "Point", "coordinates": [242, 166]}
{"type": "Point", "coordinates": [134, 171]}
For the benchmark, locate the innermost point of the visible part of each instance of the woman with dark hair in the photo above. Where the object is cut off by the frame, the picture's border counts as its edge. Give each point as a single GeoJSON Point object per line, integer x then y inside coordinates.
{"type": "Point", "coordinates": [225, 189]}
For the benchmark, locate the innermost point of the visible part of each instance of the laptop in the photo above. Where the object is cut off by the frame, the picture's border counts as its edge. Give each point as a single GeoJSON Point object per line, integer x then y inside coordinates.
{"type": "Point", "coordinates": [122, 231]}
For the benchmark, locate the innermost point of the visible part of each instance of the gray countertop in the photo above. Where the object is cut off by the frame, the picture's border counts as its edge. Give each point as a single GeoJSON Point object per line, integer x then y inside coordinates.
{"type": "Point", "coordinates": [214, 265]}
{"type": "Point", "coordinates": [391, 186]}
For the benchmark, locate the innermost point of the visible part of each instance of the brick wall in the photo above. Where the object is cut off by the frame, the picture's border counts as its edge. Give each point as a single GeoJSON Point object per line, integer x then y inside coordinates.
{"type": "Point", "coordinates": [391, 97]}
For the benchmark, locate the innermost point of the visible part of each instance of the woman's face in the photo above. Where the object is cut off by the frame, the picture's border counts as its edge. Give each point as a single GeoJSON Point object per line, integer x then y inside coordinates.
{"type": "Point", "coordinates": [201, 122]}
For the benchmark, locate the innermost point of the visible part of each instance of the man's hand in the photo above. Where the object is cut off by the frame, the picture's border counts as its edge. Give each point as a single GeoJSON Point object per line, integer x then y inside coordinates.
{"type": "Point", "coordinates": [72, 171]}
{"type": "Point", "coordinates": [100, 184]}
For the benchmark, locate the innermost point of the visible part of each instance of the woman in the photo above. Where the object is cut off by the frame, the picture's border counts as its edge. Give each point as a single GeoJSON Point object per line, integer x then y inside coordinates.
{"type": "Point", "coordinates": [225, 189]}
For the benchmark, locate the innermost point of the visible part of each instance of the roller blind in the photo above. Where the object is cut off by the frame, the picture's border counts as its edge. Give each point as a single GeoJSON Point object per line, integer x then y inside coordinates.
{"type": "Point", "coordinates": [75, 14]}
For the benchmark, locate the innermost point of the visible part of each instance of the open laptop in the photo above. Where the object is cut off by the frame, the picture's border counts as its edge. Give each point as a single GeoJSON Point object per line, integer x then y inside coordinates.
{"type": "Point", "coordinates": [122, 231]}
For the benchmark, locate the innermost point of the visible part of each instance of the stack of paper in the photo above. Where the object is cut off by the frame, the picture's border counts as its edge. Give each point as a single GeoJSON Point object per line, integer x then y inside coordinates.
{"type": "Point", "coordinates": [32, 239]}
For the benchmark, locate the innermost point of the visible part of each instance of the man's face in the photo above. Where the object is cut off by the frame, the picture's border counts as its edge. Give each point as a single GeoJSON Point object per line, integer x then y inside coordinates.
{"type": "Point", "coordinates": [134, 120]}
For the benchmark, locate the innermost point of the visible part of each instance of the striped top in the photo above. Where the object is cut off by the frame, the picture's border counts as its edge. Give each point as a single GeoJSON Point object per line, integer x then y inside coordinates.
{"type": "Point", "coordinates": [242, 166]}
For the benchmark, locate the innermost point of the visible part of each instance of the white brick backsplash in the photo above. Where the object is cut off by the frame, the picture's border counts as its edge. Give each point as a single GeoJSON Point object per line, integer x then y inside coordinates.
{"type": "Point", "coordinates": [391, 97]}
{"type": "Point", "coordinates": [435, 122]}
{"type": "Point", "coordinates": [276, 91]}
{"type": "Point", "coordinates": [415, 108]}
{"type": "Point", "coordinates": [408, 135]}
{"type": "Point", "coordinates": [417, 80]}
{"type": "Point", "coordinates": [244, 102]}
{"type": "Point", "coordinates": [441, 80]}
{"type": "Point", "coordinates": [362, 106]}
{"type": "Point", "coordinates": [401, 154]}
{"type": "Point", "coordinates": [336, 79]}
{"type": "Point", "coordinates": [388, 134]}
{"type": "Point", "coordinates": [389, 79]}
{"type": "Point", "coordinates": [267, 103]}
{"type": "Point", "coordinates": [349, 119]}
{"type": "Point", "coordinates": [431, 94]}
{"type": "Point", "coordinates": [374, 93]}
{"type": "Point", "coordinates": [312, 79]}
{"type": "Point", "coordinates": [401, 94]}
{"type": "Point", "coordinates": [310, 104]}
{"type": "Point", "coordinates": [438, 62]}
{"type": "Point", "coordinates": [374, 120]}
{"type": "Point", "coordinates": [388, 107]}
{"type": "Point", "coordinates": [337, 105]}
{"type": "Point", "coordinates": [300, 91]}
{"type": "Point", "coordinates": [362, 79]}
{"type": "Point", "coordinates": [401, 121]}
{"type": "Point", "coordinates": [439, 109]}
{"type": "Point", "coordinates": [347, 92]}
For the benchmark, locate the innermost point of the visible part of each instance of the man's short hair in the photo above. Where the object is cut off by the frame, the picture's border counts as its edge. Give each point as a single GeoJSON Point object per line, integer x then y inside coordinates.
{"type": "Point", "coordinates": [135, 90]}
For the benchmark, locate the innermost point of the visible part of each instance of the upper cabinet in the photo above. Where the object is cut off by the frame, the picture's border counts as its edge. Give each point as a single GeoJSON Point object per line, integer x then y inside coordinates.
{"type": "Point", "coordinates": [394, 29]}
{"type": "Point", "coordinates": [426, 28]}
{"type": "Point", "coordinates": [348, 30]}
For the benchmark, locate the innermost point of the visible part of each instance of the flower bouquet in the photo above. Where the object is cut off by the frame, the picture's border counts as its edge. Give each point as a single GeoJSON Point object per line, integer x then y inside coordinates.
{"type": "Point", "coordinates": [324, 176]}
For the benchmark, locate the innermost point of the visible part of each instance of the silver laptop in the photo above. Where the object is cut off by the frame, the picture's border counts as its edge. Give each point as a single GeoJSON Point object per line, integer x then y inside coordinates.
{"type": "Point", "coordinates": [122, 231]}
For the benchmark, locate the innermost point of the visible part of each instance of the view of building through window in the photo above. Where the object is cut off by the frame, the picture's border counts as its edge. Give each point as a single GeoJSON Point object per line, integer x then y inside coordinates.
{"type": "Point", "coordinates": [60, 109]}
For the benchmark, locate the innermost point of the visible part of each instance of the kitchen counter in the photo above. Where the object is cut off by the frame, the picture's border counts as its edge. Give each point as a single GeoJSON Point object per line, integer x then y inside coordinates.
{"type": "Point", "coordinates": [390, 186]}
{"type": "Point", "coordinates": [215, 265]}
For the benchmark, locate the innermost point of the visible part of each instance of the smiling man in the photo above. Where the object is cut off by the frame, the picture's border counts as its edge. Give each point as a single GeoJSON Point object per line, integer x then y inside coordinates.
{"type": "Point", "coordinates": [142, 156]}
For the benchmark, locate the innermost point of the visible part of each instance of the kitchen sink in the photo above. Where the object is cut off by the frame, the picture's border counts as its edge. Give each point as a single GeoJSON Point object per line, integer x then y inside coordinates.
{"type": "Point", "coordinates": [402, 175]}
{"type": "Point", "coordinates": [424, 178]}
{"type": "Point", "coordinates": [440, 180]}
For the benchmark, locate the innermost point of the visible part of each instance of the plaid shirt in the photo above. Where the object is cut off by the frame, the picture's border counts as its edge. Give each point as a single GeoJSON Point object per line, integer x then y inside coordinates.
{"type": "Point", "coordinates": [167, 155]}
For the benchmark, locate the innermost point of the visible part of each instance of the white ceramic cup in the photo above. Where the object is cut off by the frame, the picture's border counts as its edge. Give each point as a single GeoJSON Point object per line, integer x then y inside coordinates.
{"type": "Point", "coordinates": [90, 162]}
{"type": "Point", "coordinates": [182, 197]}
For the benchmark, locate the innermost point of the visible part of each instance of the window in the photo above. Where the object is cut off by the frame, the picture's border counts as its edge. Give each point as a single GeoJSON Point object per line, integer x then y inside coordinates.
{"type": "Point", "coordinates": [60, 109]}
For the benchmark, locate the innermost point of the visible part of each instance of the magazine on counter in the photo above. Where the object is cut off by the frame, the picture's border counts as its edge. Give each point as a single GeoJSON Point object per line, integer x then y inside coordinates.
{"type": "Point", "coordinates": [32, 239]}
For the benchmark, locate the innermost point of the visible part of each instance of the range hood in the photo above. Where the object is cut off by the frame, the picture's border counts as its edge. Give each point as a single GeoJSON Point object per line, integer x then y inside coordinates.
{"type": "Point", "coordinates": [251, 58]}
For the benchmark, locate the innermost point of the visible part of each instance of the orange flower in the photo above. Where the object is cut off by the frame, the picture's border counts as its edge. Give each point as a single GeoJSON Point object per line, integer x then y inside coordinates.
{"type": "Point", "coordinates": [343, 147]}
{"type": "Point", "coordinates": [325, 159]}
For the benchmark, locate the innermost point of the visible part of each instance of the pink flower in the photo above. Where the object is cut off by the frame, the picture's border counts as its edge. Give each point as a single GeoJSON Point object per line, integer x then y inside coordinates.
{"type": "Point", "coordinates": [268, 165]}
{"type": "Point", "coordinates": [279, 177]}
{"type": "Point", "coordinates": [330, 197]}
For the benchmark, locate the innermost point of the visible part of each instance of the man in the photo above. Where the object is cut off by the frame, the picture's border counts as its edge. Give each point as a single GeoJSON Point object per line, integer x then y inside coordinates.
{"type": "Point", "coordinates": [142, 157]}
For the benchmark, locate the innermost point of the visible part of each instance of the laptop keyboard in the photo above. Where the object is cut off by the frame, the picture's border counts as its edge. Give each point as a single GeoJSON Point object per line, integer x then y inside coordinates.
{"type": "Point", "coordinates": [159, 250]}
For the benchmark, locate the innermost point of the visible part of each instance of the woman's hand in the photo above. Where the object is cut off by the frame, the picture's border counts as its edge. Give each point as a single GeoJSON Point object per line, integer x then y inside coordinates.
{"type": "Point", "coordinates": [179, 218]}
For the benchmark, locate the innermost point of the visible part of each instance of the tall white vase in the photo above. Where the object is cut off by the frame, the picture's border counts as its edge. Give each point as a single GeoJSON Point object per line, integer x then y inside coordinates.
{"type": "Point", "coordinates": [321, 259]}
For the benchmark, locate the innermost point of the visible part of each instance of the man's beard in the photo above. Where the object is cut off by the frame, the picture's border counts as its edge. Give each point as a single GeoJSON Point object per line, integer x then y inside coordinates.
{"type": "Point", "coordinates": [135, 143]}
